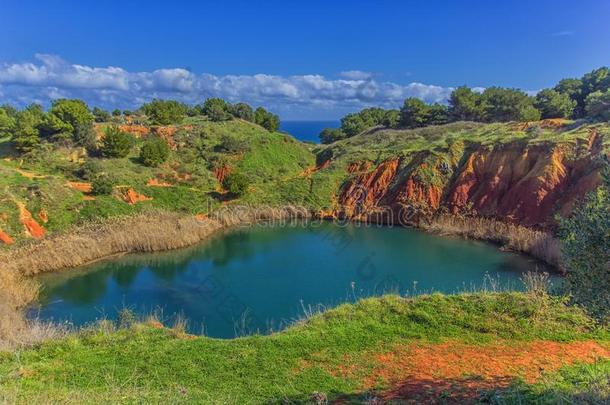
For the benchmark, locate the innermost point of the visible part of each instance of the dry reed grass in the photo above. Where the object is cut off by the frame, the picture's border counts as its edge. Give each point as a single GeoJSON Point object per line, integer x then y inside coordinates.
{"type": "Point", "coordinates": [538, 244]}
{"type": "Point", "coordinates": [142, 233]}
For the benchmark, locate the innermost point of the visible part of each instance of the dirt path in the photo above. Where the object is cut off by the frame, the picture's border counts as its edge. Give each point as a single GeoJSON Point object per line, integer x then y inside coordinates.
{"type": "Point", "coordinates": [455, 372]}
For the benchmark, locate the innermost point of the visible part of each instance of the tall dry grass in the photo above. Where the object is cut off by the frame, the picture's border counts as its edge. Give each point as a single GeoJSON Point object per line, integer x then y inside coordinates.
{"type": "Point", "coordinates": [142, 233]}
{"type": "Point", "coordinates": [538, 244]}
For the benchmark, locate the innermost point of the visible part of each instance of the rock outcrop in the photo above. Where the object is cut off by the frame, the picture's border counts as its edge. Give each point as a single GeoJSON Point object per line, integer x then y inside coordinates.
{"type": "Point", "coordinates": [521, 183]}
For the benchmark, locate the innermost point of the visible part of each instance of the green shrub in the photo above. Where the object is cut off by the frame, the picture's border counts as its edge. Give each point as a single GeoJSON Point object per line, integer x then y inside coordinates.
{"type": "Point", "coordinates": [85, 136]}
{"type": "Point", "coordinates": [586, 250]}
{"type": "Point", "coordinates": [89, 170]}
{"type": "Point", "coordinates": [102, 185]}
{"type": "Point", "coordinates": [154, 152]}
{"type": "Point", "coordinates": [164, 112]}
{"type": "Point", "coordinates": [216, 109]}
{"type": "Point", "coordinates": [237, 184]}
{"type": "Point", "coordinates": [116, 143]}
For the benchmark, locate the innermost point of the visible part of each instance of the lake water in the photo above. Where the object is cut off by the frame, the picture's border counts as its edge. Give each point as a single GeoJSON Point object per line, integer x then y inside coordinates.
{"type": "Point", "coordinates": [260, 278]}
{"type": "Point", "coordinates": [307, 131]}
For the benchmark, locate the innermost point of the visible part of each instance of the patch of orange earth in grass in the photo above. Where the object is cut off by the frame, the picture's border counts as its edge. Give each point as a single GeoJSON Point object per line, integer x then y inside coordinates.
{"type": "Point", "coordinates": [158, 183]}
{"type": "Point", "coordinates": [6, 238]}
{"type": "Point", "coordinates": [459, 372]}
{"type": "Point", "coordinates": [30, 175]}
{"type": "Point", "coordinates": [88, 198]}
{"type": "Point", "coordinates": [83, 187]}
{"type": "Point", "coordinates": [44, 217]}
{"type": "Point", "coordinates": [32, 228]}
{"type": "Point", "coordinates": [132, 197]}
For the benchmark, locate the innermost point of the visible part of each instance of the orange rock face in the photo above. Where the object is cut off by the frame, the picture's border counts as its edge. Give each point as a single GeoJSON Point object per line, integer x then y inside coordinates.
{"type": "Point", "coordinates": [134, 129]}
{"type": "Point", "coordinates": [167, 134]}
{"type": "Point", "coordinates": [524, 184]}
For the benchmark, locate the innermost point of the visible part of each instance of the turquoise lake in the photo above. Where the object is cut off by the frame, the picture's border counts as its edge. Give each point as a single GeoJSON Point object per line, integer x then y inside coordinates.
{"type": "Point", "coordinates": [261, 278]}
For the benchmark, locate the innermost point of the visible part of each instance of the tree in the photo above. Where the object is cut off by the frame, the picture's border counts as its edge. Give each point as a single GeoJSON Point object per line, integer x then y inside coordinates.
{"type": "Point", "coordinates": [391, 119]}
{"type": "Point", "coordinates": [101, 115]}
{"type": "Point", "coordinates": [553, 104]}
{"type": "Point", "coordinates": [266, 119]}
{"type": "Point", "coordinates": [573, 89]}
{"type": "Point", "coordinates": [71, 111]}
{"type": "Point", "coordinates": [7, 123]}
{"type": "Point", "coordinates": [236, 183]}
{"type": "Point", "coordinates": [586, 251]}
{"type": "Point", "coordinates": [438, 114]}
{"type": "Point", "coordinates": [154, 151]}
{"type": "Point", "coordinates": [242, 111]}
{"type": "Point", "coordinates": [85, 136]}
{"type": "Point", "coordinates": [414, 113]}
{"type": "Point", "coordinates": [502, 105]}
{"type": "Point", "coordinates": [330, 135]}
{"type": "Point", "coordinates": [26, 135]}
{"type": "Point", "coordinates": [597, 105]}
{"type": "Point", "coordinates": [353, 124]}
{"type": "Point", "coordinates": [116, 112]}
{"type": "Point", "coordinates": [164, 112]}
{"type": "Point", "coordinates": [116, 143]}
{"type": "Point", "coordinates": [55, 129]}
{"type": "Point", "coordinates": [466, 105]}
{"type": "Point", "coordinates": [216, 109]}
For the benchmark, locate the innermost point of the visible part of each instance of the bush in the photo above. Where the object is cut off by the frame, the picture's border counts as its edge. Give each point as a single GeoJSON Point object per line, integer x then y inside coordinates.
{"type": "Point", "coordinates": [242, 111]}
{"type": "Point", "coordinates": [102, 185]}
{"type": "Point", "coordinates": [85, 136]}
{"type": "Point", "coordinates": [586, 250]}
{"type": "Point", "coordinates": [116, 143]}
{"type": "Point", "coordinates": [267, 120]}
{"type": "Point", "coordinates": [597, 105]}
{"type": "Point", "coordinates": [330, 135]}
{"type": "Point", "coordinates": [232, 144]}
{"type": "Point", "coordinates": [89, 170]}
{"type": "Point", "coordinates": [101, 115]}
{"type": "Point", "coordinates": [154, 152]}
{"type": "Point", "coordinates": [216, 109]}
{"type": "Point", "coordinates": [163, 112]}
{"type": "Point", "coordinates": [237, 184]}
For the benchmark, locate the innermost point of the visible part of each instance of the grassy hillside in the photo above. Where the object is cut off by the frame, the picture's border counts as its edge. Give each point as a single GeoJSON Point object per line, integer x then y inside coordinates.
{"type": "Point", "coordinates": [498, 345]}
{"type": "Point", "coordinates": [40, 183]}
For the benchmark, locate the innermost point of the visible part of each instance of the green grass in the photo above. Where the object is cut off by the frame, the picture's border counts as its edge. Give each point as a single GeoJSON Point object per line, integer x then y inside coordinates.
{"type": "Point", "coordinates": [576, 384]}
{"type": "Point", "coordinates": [144, 364]}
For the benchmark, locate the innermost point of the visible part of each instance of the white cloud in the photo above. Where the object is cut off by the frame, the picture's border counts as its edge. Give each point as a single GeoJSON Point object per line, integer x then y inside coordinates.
{"type": "Point", "coordinates": [356, 75]}
{"type": "Point", "coordinates": [49, 76]}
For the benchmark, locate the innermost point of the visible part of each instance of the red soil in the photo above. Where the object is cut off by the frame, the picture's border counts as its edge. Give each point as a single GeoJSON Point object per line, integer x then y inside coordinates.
{"type": "Point", "coordinates": [459, 372]}
{"type": "Point", "coordinates": [5, 238]}
{"type": "Point", "coordinates": [32, 228]}
{"type": "Point", "coordinates": [83, 187]}
{"type": "Point", "coordinates": [132, 197]}
{"type": "Point", "coordinates": [44, 217]}
{"type": "Point", "coordinates": [158, 183]}
{"type": "Point", "coordinates": [221, 173]}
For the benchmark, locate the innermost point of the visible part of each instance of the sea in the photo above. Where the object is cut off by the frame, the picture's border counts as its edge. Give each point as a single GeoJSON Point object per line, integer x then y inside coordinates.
{"type": "Point", "coordinates": [307, 131]}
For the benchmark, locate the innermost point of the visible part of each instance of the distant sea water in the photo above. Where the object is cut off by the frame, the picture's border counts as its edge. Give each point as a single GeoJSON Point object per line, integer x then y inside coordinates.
{"type": "Point", "coordinates": [307, 130]}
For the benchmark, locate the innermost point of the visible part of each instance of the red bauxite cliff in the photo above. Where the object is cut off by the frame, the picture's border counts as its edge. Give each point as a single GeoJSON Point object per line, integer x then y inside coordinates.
{"type": "Point", "coordinates": [515, 182]}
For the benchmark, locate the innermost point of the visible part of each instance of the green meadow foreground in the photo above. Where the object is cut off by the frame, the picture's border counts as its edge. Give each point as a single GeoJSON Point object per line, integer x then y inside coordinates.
{"type": "Point", "coordinates": [495, 347]}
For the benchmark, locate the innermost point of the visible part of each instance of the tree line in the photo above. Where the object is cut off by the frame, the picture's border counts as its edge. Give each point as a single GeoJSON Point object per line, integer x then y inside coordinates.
{"type": "Point", "coordinates": [587, 97]}
{"type": "Point", "coordinates": [70, 121]}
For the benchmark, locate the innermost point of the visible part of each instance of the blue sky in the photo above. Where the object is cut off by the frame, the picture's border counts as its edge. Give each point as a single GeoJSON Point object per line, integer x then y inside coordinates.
{"type": "Point", "coordinates": [306, 60]}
